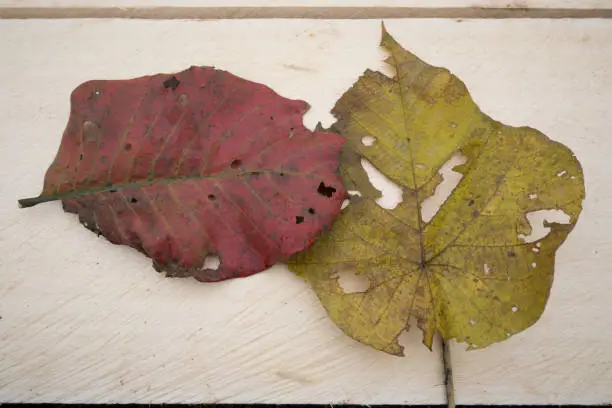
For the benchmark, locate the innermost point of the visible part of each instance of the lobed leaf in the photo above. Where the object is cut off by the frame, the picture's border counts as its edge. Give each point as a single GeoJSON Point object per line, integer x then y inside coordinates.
{"type": "Point", "coordinates": [467, 273]}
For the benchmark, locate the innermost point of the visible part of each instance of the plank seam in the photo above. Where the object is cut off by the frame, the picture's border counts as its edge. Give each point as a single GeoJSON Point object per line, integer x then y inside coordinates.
{"type": "Point", "coordinates": [331, 13]}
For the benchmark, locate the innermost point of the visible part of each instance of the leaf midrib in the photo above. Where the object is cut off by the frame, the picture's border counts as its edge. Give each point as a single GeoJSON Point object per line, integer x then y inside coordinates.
{"type": "Point", "coordinates": [29, 202]}
{"type": "Point", "coordinates": [423, 260]}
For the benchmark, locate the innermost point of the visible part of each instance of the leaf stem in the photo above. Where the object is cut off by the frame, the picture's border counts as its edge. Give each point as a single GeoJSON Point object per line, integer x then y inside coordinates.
{"type": "Point", "coordinates": [448, 374]}
{"type": "Point", "coordinates": [31, 202]}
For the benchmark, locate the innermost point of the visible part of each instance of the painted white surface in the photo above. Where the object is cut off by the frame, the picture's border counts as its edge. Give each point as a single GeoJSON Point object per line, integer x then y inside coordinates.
{"type": "Point", "coordinates": [578, 4]}
{"type": "Point", "coordinates": [87, 321]}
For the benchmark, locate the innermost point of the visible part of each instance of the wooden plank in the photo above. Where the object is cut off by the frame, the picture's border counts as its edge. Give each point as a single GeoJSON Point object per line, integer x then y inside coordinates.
{"type": "Point", "coordinates": [86, 321]}
{"type": "Point", "coordinates": [328, 13]}
{"type": "Point", "coordinates": [570, 4]}
{"type": "Point", "coordinates": [192, 10]}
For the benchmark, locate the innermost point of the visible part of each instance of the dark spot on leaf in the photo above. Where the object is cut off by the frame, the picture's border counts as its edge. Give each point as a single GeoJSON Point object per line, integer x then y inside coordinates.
{"type": "Point", "coordinates": [127, 147]}
{"type": "Point", "coordinates": [281, 174]}
{"type": "Point", "coordinates": [299, 219]}
{"type": "Point", "coordinates": [112, 191]}
{"type": "Point", "coordinates": [326, 191]}
{"type": "Point", "coordinates": [171, 82]}
{"type": "Point", "coordinates": [80, 157]}
{"type": "Point", "coordinates": [475, 214]}
{"type": "Point", "coordinates": [471, 203]}
{"type": "Point", "coordinates": [271, 117]}
{"type": "Point", "coordinates": [212, 197]}
{"type": "Point", "coordinates": [511, 254]}
{"type": "Point", "coordinates": [133, 200]}
{"type": "Point", "coordinates": [475, 280]}
{"type": "Point", "coordinates": [236, 163]}
{"type": "Point", "coordinates": [311, 211]}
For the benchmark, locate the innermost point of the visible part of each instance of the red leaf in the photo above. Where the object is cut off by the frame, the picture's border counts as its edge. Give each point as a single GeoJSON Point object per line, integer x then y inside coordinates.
{"type": "Point", "coordinates": [195, 164]}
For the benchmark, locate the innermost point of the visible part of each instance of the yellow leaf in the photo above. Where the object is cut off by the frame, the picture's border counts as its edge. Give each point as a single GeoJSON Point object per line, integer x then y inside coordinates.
{"type": "Point", "coordinates": [469, 272]}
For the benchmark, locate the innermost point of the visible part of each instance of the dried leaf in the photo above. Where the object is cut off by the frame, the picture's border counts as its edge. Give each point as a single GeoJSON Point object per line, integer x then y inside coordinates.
{"type": "Point", "coordinates": [196, 164]}
{"type": "Point", "coordinates": [468, 272]}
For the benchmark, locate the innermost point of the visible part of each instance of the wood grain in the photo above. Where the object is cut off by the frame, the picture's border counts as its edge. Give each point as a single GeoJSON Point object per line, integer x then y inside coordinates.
{"type": "Point", "coordinates": [86, 321]}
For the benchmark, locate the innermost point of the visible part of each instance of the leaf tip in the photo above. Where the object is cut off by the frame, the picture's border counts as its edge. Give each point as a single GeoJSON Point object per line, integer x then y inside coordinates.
{"type": "Point", "coordinates": [383, 27]}
{"type": "Point", "coordinates": [387, 41]}
{"type": "Point", "coordinates": [384, 32]}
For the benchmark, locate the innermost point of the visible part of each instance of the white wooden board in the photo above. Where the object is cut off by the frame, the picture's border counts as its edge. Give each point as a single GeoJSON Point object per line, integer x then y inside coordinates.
{"type": "Point", "coordinates": [87, 321]}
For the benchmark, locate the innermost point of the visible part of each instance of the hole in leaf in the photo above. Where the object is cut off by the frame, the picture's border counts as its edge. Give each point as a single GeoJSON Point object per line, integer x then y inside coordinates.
{"type": "Point", "coordinates": [387, 70]}
{"type": "Point", "coordinates": [368, 140]}
{"type": "Point", "coordinates": [236, 163]}
{"type": "Point", "coordinates": [514, 309]}
{"type": "Point", "coordinates": [133, 200]}
{"type": "Point", "coordinates": [183, 100]}
{"type": "Point", "coordinates": [534, 249]}
{"type": "Point", "coordinates": [212, 197]}
{"type": "Point", "coordinates": [537, 220]}
{"type": "Point", "coordinates": [487, 270]}
{"type": "Point", "coordinates": [311, 211]}
{"type": "Point", "coordinates": [127, 147]}
{"type": "Point", "coordinates": [211, 262]}
{"type": "Point", "coordinates": [345, 204]}
{"type": "Point", "coordinates": [299, 219]}
{"type": "Point", "coordinates": [91, 131]}
{"type": "Point", "coordinates": [112, 191]}
{"type": "Point", "coordinates": [171, 82]}
{"type": "Point", "coordinates": [533, 196]}
{"type": "Point", "coordinates": [354, 193]}
{"type": "Point", "coordinates": [326, 191]}
{"type": "Point", "coordinates": [533, 264]}
{"type": "Point", "coordinates": [561, 173]}
{"type": "Point", "coordinates": [408, 338]}
{"type": "Point", "coordinates": [391, 192]}
{"type": "Point", "coordinates": [473, 322]}
{"type": "Point", "coordinates": [351, 282]}
{"type": "Point", "coordinates": [450, 179]}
